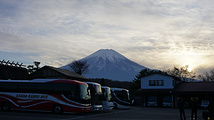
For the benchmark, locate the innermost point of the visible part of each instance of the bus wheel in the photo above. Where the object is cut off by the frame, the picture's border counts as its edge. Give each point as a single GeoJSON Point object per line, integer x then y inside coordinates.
{"type": "Point", "coordinates": [6, 106]}
{"type": "Point", "coordinates": [57, 109]}
{"type": "Point", "coordinates": [115, 106]}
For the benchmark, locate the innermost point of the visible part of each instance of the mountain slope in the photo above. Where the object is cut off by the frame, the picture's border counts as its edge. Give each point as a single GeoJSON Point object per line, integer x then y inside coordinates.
{"type": "Point", "coordinates": [109, 64]}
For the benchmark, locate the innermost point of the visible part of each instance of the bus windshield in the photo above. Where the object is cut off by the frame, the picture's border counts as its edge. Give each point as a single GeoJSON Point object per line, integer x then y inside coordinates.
{"type": "Point", "coordinates": [108, 93]}
{"type": "Point", "coordinates": [78, 93]}
{"type": "Point", "coordinates": [85, 92]}
{"type": "Point", "coordinates": [98, 89]}
{"type": "Point", "coordinates": [123, 95]}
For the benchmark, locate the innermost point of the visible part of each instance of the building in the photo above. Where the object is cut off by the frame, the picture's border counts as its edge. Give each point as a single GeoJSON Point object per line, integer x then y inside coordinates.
{"type": "Point", "coordinates": [158, 89]}
{"type": "Point", "coordinates": [48, 72]}
{"type": "Point", "coordinates": [200, 90]}
{"type": "Point", "coordinates": [162, 90]}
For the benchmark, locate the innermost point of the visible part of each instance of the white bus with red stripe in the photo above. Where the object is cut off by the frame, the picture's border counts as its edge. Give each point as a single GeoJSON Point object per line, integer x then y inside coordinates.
{"type": "Point", "coordinates": [56, 95]}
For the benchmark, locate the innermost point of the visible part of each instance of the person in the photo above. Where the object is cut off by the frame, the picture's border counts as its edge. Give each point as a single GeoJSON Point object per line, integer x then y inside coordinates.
{"type": "Point", "coordinates": [181, 108]}
{"type": "Point", "coordinates": [211, 109]}
{"type": "Point", "coordinates": [194, 108]}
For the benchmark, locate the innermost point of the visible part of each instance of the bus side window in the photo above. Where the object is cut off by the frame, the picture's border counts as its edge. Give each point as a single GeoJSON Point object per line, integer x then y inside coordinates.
{"type": "Point", "coordinates": [9, 87]}
{"type": "Point", "coordinates": [26, 87]}
{"type": "Point", "coordinates": [73, 95]}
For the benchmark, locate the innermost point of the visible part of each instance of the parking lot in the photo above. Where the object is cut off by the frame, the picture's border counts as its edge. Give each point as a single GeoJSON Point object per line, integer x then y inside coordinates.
{"type": "Point", "coordinates": [135, 113]}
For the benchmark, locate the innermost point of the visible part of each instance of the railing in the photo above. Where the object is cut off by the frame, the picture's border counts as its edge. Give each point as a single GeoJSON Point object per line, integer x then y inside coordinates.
{"type": "Point", "coordinates": [8, 63]}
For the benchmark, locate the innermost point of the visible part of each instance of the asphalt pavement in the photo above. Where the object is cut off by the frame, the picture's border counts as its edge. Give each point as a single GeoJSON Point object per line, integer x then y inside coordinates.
{"type": "Point", "coordinates": [145, 113]}
{"type": "Point", "coordinates": [135, 113]}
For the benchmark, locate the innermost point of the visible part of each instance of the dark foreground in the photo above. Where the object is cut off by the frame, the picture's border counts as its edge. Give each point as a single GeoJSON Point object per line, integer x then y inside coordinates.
{"type": "Point", "coordinates": [135, 113]}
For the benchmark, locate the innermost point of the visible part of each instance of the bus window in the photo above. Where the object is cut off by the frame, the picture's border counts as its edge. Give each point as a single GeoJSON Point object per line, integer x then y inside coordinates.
{"type": "Point", "coordinates": [98, 89]}
{"type": "Point", "coordinates": [120, 98]}
{"type": "Point", "coordinates": [122, 95]}
{"type": "Point", "coordinates": [10, 87]}
{"type": "Point", "coordinates": [72, 95]}
{"type": "Point", "coordinates": [86, 92]}
{"type": "Point", "coordinates": [108, 92]}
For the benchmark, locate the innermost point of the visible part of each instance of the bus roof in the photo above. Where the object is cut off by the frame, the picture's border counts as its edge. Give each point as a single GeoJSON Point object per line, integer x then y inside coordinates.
{"type": "Point", "coordinates": [119, 89]}
{"type": "Point", "coordinates": [47, 81]}
{"type": "Point", "coordinates": [105, 87]}
{"type": "Point", "coordinates": [94, 83]}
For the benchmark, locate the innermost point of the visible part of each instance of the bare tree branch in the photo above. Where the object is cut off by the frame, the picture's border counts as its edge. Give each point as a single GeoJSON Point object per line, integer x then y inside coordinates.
{"type": "Point", "coordinates": [207, 76]}
{"type": "Point", "coordinates": [79, 67]}
{"type": "Point", "coordinates": [182, 73]}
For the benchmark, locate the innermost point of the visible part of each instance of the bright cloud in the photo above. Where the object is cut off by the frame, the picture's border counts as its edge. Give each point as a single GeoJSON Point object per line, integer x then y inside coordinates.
{"type": "Point", "coordinates": [157, 34]}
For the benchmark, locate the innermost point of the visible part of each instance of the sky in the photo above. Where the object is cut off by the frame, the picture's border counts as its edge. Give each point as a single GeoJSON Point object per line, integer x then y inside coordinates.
{"type": "Point", "coordinates": [158, 34]}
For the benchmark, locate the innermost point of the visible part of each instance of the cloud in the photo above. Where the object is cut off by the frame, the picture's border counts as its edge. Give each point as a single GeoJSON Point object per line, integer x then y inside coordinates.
{"type": "Point", "coordinates": [156, 34]}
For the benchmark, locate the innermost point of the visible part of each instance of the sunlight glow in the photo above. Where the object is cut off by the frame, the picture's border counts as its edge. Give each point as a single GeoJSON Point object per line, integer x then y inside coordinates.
{"type": "Point", "coordinates": [187, 56]}
{"type": "Point", "coordinates": [189, 68]}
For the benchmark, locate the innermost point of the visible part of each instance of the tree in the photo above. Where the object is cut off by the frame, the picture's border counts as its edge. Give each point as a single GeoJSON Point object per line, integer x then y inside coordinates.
{"type": "Point", "coordinates": [36, 63]}
{"type": "Point", "coordinates": [207, 76]}
{"type": "Point", "coordinates": [79, 67]}
{"type": "Point", "coordinates": [33, 68]}
{"type": "Point", "coordinates": [183, 73]}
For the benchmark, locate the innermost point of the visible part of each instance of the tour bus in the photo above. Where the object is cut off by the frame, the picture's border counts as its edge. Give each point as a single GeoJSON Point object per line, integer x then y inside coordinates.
{"type": "Point", "coordinates": [107, 99]}
{"type": "Point", "coordinates": [96, 96]}
{"type": "Point", "coordinates": [120, 98]}
{"type": "Point", "coordinates": [56, 95]}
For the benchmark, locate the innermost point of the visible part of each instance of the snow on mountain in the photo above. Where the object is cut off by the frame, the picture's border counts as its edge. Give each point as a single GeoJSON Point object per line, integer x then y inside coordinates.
{"type": "Point", "coordinates": [109, 64]}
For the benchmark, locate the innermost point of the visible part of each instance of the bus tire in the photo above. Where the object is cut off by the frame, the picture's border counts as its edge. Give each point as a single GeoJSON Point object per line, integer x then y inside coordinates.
{"type": "Point", "coordinates": [115, 106]}
{"type": "Point", "coordinates": [6, 106]}
{"type": "Point", "coordinates": [57, 109]}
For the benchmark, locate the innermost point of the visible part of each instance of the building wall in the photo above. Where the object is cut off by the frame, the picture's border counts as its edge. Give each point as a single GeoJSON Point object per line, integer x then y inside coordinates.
{"type": "Point", "coordinates": [167, 82]}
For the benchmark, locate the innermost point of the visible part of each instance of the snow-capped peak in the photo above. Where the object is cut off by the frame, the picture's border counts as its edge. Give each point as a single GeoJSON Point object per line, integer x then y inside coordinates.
{"type": "Point", "coordinates": [109, 54]}
{"type": "Point", "coordinates": [109, 64]}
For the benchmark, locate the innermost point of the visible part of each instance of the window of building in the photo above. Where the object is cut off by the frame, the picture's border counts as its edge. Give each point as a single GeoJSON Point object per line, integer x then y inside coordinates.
{"type": "Point", "coordinates": [160, 83]}
{"type": "Point", "coordinates": [167, 99]}
{"type": "Point", "coordinates": [156, 82]}
{"type": "Point", "coordinates": [152, 98]}
{"type": "Point", "coordinates": [152, 82]}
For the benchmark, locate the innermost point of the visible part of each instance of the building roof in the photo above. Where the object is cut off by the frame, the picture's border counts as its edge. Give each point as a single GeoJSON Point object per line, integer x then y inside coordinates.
{"type": "Point", "coordinates": [64, 72]}
{"type": "Point", "coordinates": [67, 72]}
{"type": "Point", "coordinates": [195, 87]}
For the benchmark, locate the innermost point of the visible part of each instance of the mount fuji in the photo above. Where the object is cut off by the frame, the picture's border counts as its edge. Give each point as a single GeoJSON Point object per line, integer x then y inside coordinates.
{"type": "Point", "coordinates": [109, 64]}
